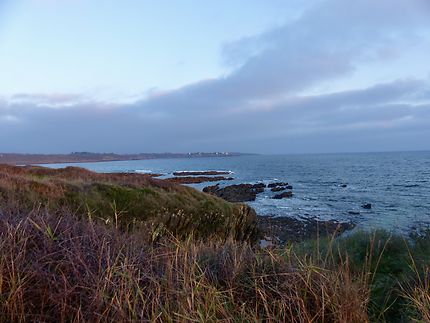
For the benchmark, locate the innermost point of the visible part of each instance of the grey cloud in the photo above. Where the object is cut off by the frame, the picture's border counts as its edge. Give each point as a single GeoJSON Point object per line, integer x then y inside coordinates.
{"type": "Point", "coordinates": [262, 105]}
{"type": "Point", "coordinates": [295, 123]}
{"type": "Point", "coordinates": [328, 41]}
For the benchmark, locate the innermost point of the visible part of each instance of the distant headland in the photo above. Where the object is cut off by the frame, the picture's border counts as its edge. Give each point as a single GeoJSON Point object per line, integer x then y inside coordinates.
{"type": "Point", "coordinates": [87, 157]}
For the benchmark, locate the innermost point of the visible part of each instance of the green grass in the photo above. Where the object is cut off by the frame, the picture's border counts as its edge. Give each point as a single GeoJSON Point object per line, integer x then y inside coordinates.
{"type": "Point", "coordinates": [129, 200]}
{"type": "Point", "coordinates": [393, 262]}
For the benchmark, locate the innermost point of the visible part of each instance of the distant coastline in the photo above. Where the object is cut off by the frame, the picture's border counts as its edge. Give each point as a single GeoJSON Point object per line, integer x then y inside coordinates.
{"type": "Point", "coordinates": [88, 157]}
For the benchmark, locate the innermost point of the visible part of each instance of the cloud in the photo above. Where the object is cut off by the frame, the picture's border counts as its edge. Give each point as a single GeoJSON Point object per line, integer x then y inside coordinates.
{"type": "Point", "coordinates": [301, 123]}
{"type": "Point", "coordinates": [266, 103]}
{"type": "Point", "coordinates": [328, 41]}
{"type": "Point", "coordinates": [52, 99]}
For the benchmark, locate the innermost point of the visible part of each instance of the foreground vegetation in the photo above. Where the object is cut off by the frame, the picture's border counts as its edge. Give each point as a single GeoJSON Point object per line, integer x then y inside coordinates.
{"type": "Point", "coordinates": [69, 251]}
{"type": "Point", "coordinates": [69, 269]}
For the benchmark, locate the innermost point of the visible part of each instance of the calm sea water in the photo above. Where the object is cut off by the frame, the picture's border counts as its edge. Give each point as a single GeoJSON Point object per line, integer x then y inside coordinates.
{"type": "Point", "coordinates": [397, 184]}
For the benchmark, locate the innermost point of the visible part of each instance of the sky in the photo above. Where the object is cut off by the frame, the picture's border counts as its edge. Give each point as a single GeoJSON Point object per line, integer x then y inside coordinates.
{"type": "Point", "coordinates": [273, 76]}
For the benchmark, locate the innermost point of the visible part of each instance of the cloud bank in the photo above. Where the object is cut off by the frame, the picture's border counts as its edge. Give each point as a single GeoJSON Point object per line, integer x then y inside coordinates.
{"type": "Point", "coordinates": [272, 101]}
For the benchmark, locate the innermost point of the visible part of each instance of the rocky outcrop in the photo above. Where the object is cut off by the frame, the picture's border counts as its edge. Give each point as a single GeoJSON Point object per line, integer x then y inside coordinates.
{"type": "Point", "coordinates": [201, 173]}
{"type": "Point", "coordinates": [198, 179]}
{"type": "Point", "coordinates": [236, 193]}
{"type": "Point", "coordinates": [281, 188]}
{"type": "Point", "coordinates": [283, 229]}
{"type": "Point", "coordinates": [367, 206]}
{"type": "Point", "coordinates": [278, 189]}
{"type": "Point", "coordinates": [259, 186]}
{"type": "Point", "coordinates": [353, 212]}
{"type": "Point", "coordinates": [283, 195]}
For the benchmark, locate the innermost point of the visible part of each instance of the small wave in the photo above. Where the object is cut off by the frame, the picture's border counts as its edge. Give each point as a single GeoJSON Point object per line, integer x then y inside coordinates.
{"type": "Point", "coordinates": [143, 171]}
{"type": "Point", "coordinates": [406, 185]}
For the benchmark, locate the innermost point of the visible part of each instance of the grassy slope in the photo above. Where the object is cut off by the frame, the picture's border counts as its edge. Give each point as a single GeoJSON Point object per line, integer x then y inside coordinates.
{"type": "Point", "coordinates": [58, 264]}
{"type": "Point", "coordinates": [128, 200]}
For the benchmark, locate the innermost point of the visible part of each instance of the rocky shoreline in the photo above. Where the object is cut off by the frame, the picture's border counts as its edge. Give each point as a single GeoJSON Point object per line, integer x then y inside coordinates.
{"type": "Point", "coordinates": [236, 193]}
{"type": "Point", "coordinates": [197, 179]}
{"type": "Point", "coordinates": [248, 192]}
{"type": "Point", "coordinates": [280, 230]}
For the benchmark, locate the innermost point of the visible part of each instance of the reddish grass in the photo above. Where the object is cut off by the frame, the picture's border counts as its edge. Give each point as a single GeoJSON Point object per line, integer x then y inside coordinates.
{"type": "Point", "coordinates": [80, 174]}
{"type": "Point", "coordinates": [63, 270]}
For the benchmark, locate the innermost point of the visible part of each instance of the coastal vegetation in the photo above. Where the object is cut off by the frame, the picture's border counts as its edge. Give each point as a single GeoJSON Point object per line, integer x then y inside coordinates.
{"type": "Point", "coordinates": [131, 201]}
{"type": "Point", "coordinates": [85, 247]}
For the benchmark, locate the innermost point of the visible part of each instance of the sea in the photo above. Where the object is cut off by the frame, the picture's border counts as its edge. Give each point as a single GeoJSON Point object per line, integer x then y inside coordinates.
{"type": "Point", "coordinates": [325, 186]}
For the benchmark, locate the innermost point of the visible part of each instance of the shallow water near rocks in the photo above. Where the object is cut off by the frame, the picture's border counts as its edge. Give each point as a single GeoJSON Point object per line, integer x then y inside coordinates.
{"type": "Point", "coordinates": [396, 184]}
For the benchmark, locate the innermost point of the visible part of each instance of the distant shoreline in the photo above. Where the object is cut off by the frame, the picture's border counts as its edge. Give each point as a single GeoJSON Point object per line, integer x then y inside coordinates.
{"type": "Point", "coordinates": [85, 157]}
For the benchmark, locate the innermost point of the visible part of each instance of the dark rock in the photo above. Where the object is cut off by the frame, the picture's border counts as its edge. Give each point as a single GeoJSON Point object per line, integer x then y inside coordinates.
{"type": "Point", "coordinates": [236, 193]}
{"type": "Point", "coordinates": [198, 179]}
{"type": "Point", "coordinates": [284, 229]}
{"type": "Point", "coordinates": [201, 173]}
{"type": "Point", "coordinates": [353, 212]}
{"type": "Point", "coordinates": [343, 185]}
{"type": "Point", "coordinates": [259, 185]}
{"type": "Point", "coordinates": [289, 187]}
{"type": "Point", "coordinates": [367, 206]}
{"type": "Point", "coordinates": [277, 184]}
{"type": "Point", "coordinates": [258, 190]}
{"type": "Point", "coordinates": [278, 189]}
{"type": "Point", "coordinates": [283, 195]}
{"type": "Point", "coordinates": [211, 189]}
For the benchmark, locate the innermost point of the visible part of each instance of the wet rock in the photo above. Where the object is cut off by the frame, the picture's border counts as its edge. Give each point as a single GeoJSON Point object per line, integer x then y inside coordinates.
{"type": "Point", "coordinates": [198, 179]}
{"type": "Point", "coordinates": [283, 195]}
{"type": "Point", "coordinates": [367, 206]}
{"type": "Point", "coordinates": [277, 184]}
{"type": "Point", "coordinates": [286, 229]}
{"type": "Point", "coordinates": [201, 173]}
{"type": "Point", "coordinates": [236, 193]}
{"type": "Point", "coordinates": [259, 185]}
{"type": "Point", "coordinates": [353, 212]}
{"type": "Point", "coordinates": [278, 189]}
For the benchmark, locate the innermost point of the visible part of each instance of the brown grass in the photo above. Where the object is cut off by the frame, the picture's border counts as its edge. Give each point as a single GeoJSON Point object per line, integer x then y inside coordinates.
{"type": "Point", "coordinates": [77, 174]}
{"type": "Point", "coordinates": [418, 293]}
{"type": "Point", "coordinates": [71, 270]}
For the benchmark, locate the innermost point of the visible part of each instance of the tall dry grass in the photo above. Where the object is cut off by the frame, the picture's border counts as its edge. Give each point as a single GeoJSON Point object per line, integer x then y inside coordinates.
{"type": "Point", "coordinates": [418, 292]}
{"type": "Point", "coordinates": [64, 269]}
{"type": "Point", "coordinates": [419, 296]}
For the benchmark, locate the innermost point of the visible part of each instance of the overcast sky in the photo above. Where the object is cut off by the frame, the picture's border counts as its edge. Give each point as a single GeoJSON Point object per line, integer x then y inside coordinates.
{"type": "Point", "coordinates": [273, 76]}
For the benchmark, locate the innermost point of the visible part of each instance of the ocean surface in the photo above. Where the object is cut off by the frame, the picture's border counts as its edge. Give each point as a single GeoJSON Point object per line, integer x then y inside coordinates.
{"type": "Point", "coordinates": [396, 184]}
